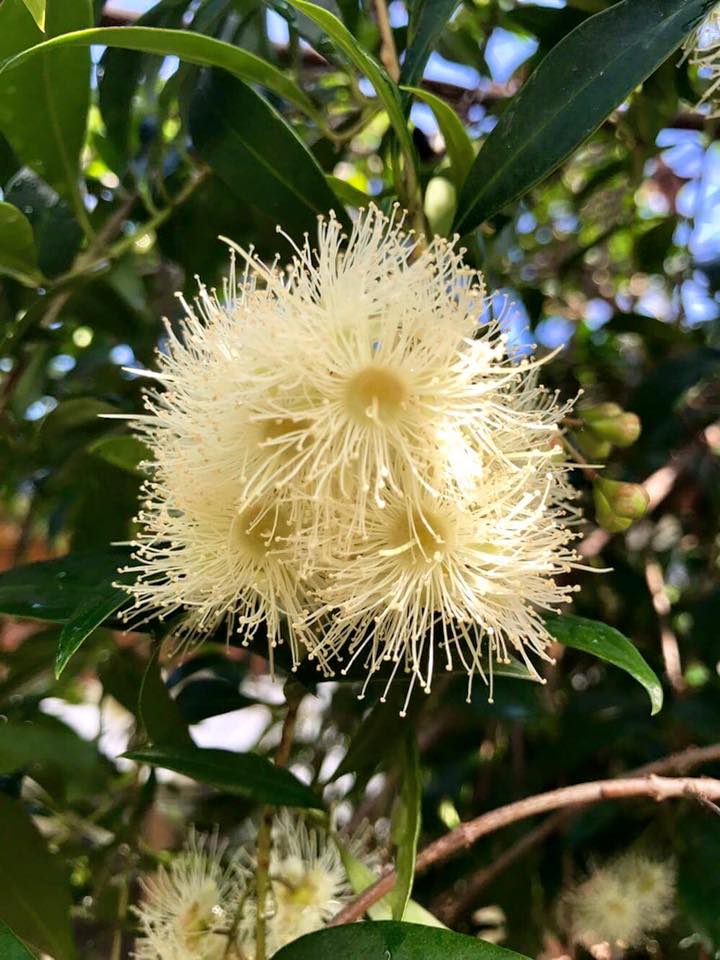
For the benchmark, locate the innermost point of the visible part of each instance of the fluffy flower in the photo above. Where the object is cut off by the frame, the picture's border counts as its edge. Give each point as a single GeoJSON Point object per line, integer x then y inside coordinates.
{"type": "Point", "coordinates": [622, 902]}
{"type": "Point", "coordinates": [703, 50]}
{"type": "Point", "coordinates": [345, 453]}
{"type": "Point", "coordinates": [308, 884]}
{"type": "Point", "coordinates": [187, 909]}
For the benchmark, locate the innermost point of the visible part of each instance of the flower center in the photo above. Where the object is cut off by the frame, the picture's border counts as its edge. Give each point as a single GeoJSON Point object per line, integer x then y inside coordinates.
{"type": "Point", "coordinates": [278, 428]}
{"type": "Point", "coordinates": [257, 529]}
{"type": "Point", "coordinates": [420, 538]}
{"type": "Point", "coordinates": [376, 394]}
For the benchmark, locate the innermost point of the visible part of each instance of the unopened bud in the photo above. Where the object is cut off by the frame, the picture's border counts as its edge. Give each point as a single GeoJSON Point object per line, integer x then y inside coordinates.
{"type": "Point", "coordinates": [592, 446]}
{"type": "Point", "coordinates": [618, 504]}
{"type": "Point", "coordinates": [610, 423]}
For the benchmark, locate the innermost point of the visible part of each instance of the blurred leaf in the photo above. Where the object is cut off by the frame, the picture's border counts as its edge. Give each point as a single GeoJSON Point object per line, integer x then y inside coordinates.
{"type": "Point", "coordinates": [246, 141]}
{"type": "Point", "coordinates": [209, 697]}
{"type": "Point", "coordinates": [158, 713]}
{"type": "Point", "coordinates": [11, 948]}
{"type": "Point", "coordinates": [43, 106]}
{"type": "Point", "coordinates": [47, 743]}
{"type": "Point", "coordinates": [427, 20]}
{"type": "Point", "coordinates": [608, 644]}
{"type": "Point", "coordinates": [583, 78]}
{"type": "Point", "coordinates": [191, 47]}
{"type": "Point", "coordinates": [361, 877]}
{"type": "Point", "coordinates": [18, 256]}
{"type": "Point", "coordinates": [122, 450]}
{"type": "Point", "coordinates": [391, 941]}
{"type": "Point", "coordinates": [37, 11]}
{"type": "Point", "coordinates": [347, 192]}
{"type": "Point", "coordinates": [57, 233]}
{"type": "Point", "coordinates": [34, 895]}
{"type": "Point", "coordinates": [54, 590]}
{"type": "Point", "coordinates": [405, 824]}
{"type": "Point", "coordinates": [457, 142]}
{"type": "Point", "coordinates": [370, 745]}
{"type": "Point", "coordinates": [698, 878]}
{"type": "Point", "coordinates": [244, 774]}
{"type": "Point", "coordinates": [385, 88]}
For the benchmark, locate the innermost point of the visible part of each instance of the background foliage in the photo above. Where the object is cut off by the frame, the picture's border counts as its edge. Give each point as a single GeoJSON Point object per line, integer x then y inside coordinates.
{"type": "Point", "coordinates": [119, 171]}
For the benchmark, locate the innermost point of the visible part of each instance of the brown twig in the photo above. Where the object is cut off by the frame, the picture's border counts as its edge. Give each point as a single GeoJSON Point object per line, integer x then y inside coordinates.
{"type": "Point", "coordinates": [455, 904]}
{"type": "Point", "coordinates": [668, 641]}
{"type": "Point", "coordinates": [658, 788]}
{"type": "Point", "coordinates": [388, 50]}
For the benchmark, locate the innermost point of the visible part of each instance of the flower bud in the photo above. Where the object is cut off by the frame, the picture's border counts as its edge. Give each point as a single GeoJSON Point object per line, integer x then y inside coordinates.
{"type": "Point", "coordinates": [598, 450]}
{"type": "Point", "coordinates": [610, 423]}
{"type": "Point", "coordinates": [618, 504]}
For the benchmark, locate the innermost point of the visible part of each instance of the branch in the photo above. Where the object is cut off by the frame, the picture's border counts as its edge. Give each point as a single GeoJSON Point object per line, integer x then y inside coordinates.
{"type": "Point", "coordinates": [702, 789]}
{"type": "Point", "coordinates": [668, 641]}
{"type": "Point", "coordinates": [456, 903]}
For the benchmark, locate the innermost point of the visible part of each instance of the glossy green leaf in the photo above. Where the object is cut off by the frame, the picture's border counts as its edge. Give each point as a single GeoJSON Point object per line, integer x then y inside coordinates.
{"type": "Point", "coordinates": [608, 644]}
{"type": "Point", "coordinates": [245, 774]}
{"type": "Point", "coordinates": [187, 46]}
{"type": "Point", "coordinates": [578, 84]}
{"type": "Point", "coordinates": [361, 877]}
{"type": "Point", "coordinates": [392, 941]}
{"type": "Point", "coordinates": [258, 155]}
{"type": "Point", "coordinates": [34, 894]}
{"type": "Point", "coordinates": [54, 590]}
{"type": "Point", "coordinates": [386, 89]}
{"type": "Point", "coordinates": [43, 106]}
{"type": "Point", "coordinates": [99, 604]}
{"type": "Point", "coordinates": [427, 21]}
{"type": "Point", "coordinates": [457, 142]}
{"type": "Point", "coordinates": [159, 715]}
{"type": "Point", "coordinates": [11, 947]}
{"type": "Point", "coordinates": [18, 256]}
{"type": "Point", "coordinates": [405, 824]}
{"type": "Point", "coordinates": [37, 11]}
{"type": "Point", "coordinates": [347, 192]}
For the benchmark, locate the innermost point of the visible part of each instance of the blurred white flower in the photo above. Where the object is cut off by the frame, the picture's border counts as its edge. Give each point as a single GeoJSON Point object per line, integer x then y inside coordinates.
{"type": "Point", "coordinates": [346, 455]}
{"type": "Point", "coordinates": [622, 902]}
{"type": "Point", "coordinates": [703, 50]}
{"type": "Point", "coordinates": [187, 909]}
{"type": "Point", "coordinates": [309, 884]}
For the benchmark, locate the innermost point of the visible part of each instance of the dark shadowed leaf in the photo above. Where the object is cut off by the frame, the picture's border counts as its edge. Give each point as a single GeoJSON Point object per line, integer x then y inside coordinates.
{"type": "Point", "coordinates": [392, 941]}
{"type": "Point", "coordinates": [248, 144]}
{"type": "Point", "coordinates": [34, 894]}
{"type": "Point", "coordinates": [159, 715]}
{"type": "Point", "coordinates": [121, 450]}
{"type": "Point", "coordinates": [245, 774]}
{"type": "Point", "coordinates": [54, 589]}
{"type": "Point", "coordinates": [583, 78]}
{"type": "Point", "coordinates": [405, 825]}
{"type": "Point", "coordinates": [457, 142]}
{"type": "Point", "coordinates": [99, 604]}
{"type": "Point", "coordinates": [608, 644]}
{"type": "Point", "coordinates": [209, 697]}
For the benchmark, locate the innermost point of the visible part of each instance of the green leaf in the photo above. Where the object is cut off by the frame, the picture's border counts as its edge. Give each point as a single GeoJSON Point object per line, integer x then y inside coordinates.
{"type": "Point", "coordinates": [391, 941]}
{"type": "Point", "coordinates": [457, 142]}
{"type": "Point", "coordinates": [405, 825]}
{"type": "Point", "coordinates": [246, 142]}
{"type": "Point", "coordinates": [37, 11]}
{"type": "Point", "coordinates": [361, 877]}
{"type": "Point", "coordinates": [347, 192]}
{"type": "Point", "coordinates": [427, 21]}
{"type": "Point", "coordinates": [11, 948]}
{"type": "Point", "coordinates": [578, 84]}
{"type": "Point", "coordinates": [122, 450]}
{"type": "Point", "coordinates": [386, 90]}
{"type": "Point", "coordinates": [209, 697]}
{"type": "Point", "coordinates": [48, 746]}
{"type": "Point", "coordinates": [187, 46]}
{"type": "Point", "coordinates": [18, 256]}
{"type": "Point", "coordinates": [608, 644]}
{"type": "Point", "coordinates": [54, 590]}
{"type": "Point", "coordinates": [99, 604]}
{"type": "Point", "coordinates": [369, 745]}
{"type": "Point", "coordinates": [44, 105]}
{"type": "Point", "coordinates": [34, 894]}
{"type": "Point", "coordinates": [245, 774]}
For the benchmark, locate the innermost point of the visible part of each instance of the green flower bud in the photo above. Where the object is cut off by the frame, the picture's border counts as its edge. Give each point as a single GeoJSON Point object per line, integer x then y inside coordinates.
{"type": "Point", "coordinates": [618, 504]}
{"type": "Point", "coordinates": [609, 422]}
{"type": "Point", "coordinates": [440, 204]}
{"type": "Point", "coordinates": [600, 411]}
{"type": "Point", "coordinates": [593, 447]}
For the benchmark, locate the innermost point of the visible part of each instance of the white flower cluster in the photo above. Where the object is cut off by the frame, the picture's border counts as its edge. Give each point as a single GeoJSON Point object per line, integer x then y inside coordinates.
{"type": "Point", "coordinates": [622, 902]}
{"type": "Point", "coordinates": [202, 908]}
{"type": "Point", "coordinates": [703, 50]}
{"type": "Point", "coordinates": [345, 454]}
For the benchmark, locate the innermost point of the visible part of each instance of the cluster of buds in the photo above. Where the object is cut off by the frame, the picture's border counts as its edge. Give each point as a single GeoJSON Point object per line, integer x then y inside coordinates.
{"type": "Point", "coordinates": [618, 504]}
